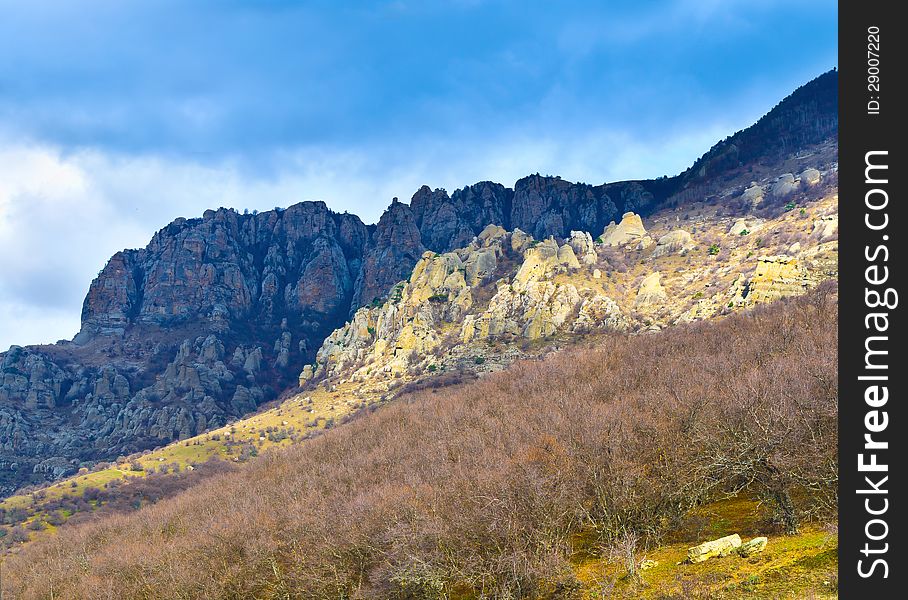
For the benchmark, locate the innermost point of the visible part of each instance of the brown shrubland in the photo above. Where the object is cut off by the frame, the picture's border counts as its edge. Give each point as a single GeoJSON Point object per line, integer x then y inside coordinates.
{"type": "Point", "coordinates": [476, 490]}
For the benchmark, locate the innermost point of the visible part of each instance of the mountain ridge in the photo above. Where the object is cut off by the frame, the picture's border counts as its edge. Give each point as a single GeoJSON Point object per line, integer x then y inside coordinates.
{"type": "Point", "coordinates": [219, 314]}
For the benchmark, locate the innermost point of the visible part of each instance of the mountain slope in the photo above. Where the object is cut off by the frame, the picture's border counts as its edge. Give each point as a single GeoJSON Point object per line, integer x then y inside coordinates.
{"type": "Point", "coordinates": [220, 314]}
{"type": "Point", "coordinates": [487, 489]}
{"type": "Point", "coordinates": [503, 297]}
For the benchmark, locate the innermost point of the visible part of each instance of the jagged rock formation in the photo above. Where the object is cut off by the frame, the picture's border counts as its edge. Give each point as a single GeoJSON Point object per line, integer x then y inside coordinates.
{"type": "Point", "coordinates": [220, 313]}
{"type": "Point", "coordinates": [628, 232]}
{"type": "Point", "coordinates": [775, 277]}
{"type": "Point", "coordinates": [501, 284]}
{"type": "Point", "coordinates": [510, 289]}
{"type": "Point", "coordinates": [583, 246]}
{"type": "Point", "coordinates": [446, 222]}
{"type": "Point", "coordinates": [213, 317]}
{"type": "Point", "coordinates": [530, 305]}
{"type": "Point", "coordinates": [298, 263]}
{"type": "Point", "coordinates": [394, 249]}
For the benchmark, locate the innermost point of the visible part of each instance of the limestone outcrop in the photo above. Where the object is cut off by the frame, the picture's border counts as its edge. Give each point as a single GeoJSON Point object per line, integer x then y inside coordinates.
{"type": "Point", "coordinates": [826, 227]}
{"type": "Point", "coordinates": [776, 277]}
{"type": "Point", "coordinates": [395, 246]}
{"type": "Point", "coordinates": [651, 293]}
{"type": "Point", "coordinates": [600, 313]}
{"type": "Point", "coordinates": [674, 242]}
{"type": "Point", "coordinates": [584, 248]}
{"type": "Point", "coordinates": [714, 548]}
{"type": "Point", "coordinates": [437, 306]}
{"type": "Point", "coordinates": [629, 231]}
{"type": "Point", "coordinates": [222, 312]}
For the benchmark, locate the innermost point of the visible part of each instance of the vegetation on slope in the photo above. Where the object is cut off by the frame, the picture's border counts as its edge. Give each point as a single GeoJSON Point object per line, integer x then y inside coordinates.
{"type": "Point", "coordinates": [798, 566]}
{"type": "Point", "coordinates": [139, 479]}
{"type": "Point", "coordinates": [706, 281]}
{"type": "Point", "coordinates": [482, 490]}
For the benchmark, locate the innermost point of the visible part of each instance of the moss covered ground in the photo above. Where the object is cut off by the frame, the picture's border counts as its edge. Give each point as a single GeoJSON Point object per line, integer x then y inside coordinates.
{"type": "Point", "coordinates": [792, 566]}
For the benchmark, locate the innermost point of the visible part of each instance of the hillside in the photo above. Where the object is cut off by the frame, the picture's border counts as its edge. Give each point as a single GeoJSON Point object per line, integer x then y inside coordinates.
{"type": "Point", "coordinates": [520, 484]}
{"type": "Point", "coordinates": [527, 392]}
{"type": "Point", "coordinates": [503, 297]}
{"type": "Point", "coordinates": [218, 315]}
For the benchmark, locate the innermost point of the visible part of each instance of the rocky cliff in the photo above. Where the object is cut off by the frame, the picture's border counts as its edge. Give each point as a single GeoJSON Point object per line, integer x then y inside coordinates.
{"type": "Point", "coordinates": [220, 313]}
{"type": "Point", "coordinates": [504, 294]}
{"type": "Point", "coordinates": [213, 317]}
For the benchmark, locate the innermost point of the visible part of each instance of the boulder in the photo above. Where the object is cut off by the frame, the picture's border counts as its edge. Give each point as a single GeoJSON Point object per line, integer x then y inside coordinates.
{"type": "Point", "coordinates": [643, 243]}
{"type": "Point", "coordinates": [720, 547]}
{"type": "Point", "coordinates": [490, 235]}
{"type": "Point", "coordinates": [306, 374]}
{"type": "Point", "coordinates": [520, 241]}
{"type": "Point", "coordinates": [809, 177]}
{"type": "Point", "coordinates": [629, 230]}
{"type": "Point", "coordinates": [784, 186]}
{"type": "Point", "coordinates": [567, 258]}
{"type": "Point", "coordinates": [826, 227]}
{"type": "Point", "coordinates": [651, 291]}
{"type": "Point", "coordinates": [674, 242]}
{"type": "Point", "coordinates": [584, 248]}
{"type": "Point", "coordinates": [753, 195]}
{"type": "Point", "coordinates": [745, 225]}
{"type": "Point", "coordinates": [538, 260]}
{"type": "Point", "coordinates": [758, 544]}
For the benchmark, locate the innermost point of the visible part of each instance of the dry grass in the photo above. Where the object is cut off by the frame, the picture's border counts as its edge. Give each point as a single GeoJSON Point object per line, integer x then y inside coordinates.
{"type": "Point", "coordinates": [477, 491]}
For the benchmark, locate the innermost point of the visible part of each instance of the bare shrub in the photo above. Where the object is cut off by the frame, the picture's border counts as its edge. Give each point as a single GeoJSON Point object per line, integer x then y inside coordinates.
{"type": "Point", "coordinates": [477, 489]}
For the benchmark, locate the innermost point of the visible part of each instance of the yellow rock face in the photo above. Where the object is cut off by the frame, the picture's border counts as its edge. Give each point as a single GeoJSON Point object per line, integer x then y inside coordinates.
{"type": "Point", "coordinates": [826, 227]}
{"type": "Point", "coordinates": [567, 257]}
{"type": "Point", "coordinates": [506, 285]}
{"type": "Point", "coordinates": [775, 277]}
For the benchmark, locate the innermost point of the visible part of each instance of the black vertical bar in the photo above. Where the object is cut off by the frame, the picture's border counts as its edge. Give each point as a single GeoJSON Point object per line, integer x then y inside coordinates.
{"type": "Point", "coordinates": [872, 68]}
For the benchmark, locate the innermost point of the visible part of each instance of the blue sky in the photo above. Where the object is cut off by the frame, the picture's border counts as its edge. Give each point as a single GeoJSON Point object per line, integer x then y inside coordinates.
{"type": "Point", "coordinates": [116, 117]}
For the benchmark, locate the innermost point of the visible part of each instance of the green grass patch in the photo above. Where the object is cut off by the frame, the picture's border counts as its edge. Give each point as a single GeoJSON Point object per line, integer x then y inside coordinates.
{"type": "Point", "coordinates": [791, 567]}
